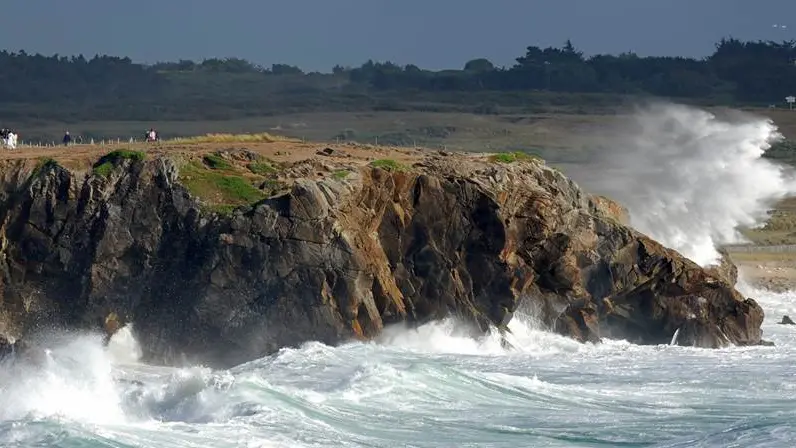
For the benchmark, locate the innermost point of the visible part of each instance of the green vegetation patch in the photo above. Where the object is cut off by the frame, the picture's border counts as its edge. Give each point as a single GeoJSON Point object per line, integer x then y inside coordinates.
{"type": "Point", "coordinates": [44, 163]}
{"type": "Point", "coordinates": [108, 162]}
{"type": "Point", "coordinates": [216, 162]}
{"type": "Point", "coordinates": [103, 170]}
{"type": "Point", "coordinates": [261, 168]}
{"type": "Point", "coordinates": [511, 157]}
{"type": "Point", "coordinates": [508, 157]}
{"type": "Point", "coordinates": [123, 154]}
{"type": "Point", "coordinates": [388, 164]}
{"type": "Point", "coordinates": [220, 191]}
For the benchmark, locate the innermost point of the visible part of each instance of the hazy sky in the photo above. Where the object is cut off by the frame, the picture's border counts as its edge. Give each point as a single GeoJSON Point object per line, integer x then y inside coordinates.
{"type": "Point", "coordinates": [316, 34]}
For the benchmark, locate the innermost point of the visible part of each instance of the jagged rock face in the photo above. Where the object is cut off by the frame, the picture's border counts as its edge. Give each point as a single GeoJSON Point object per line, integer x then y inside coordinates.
{"type": "Point", "coordinates": [725, 268]}
{"type": "Point", "coordinates": [339, 259]}
{"type": "Point", "coordinates": [666, 293]}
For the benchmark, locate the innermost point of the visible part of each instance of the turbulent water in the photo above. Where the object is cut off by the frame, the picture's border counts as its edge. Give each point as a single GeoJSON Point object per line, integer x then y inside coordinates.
{"type": "Point", "coordinates": [434, 387]}
{"type": "Point", "coordinates": [690, 178]}
{"type": "Point", "coordinates": [423, 388]}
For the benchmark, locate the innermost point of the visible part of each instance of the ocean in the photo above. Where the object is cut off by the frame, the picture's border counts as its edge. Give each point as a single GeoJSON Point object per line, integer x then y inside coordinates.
{"type": "Point", "coordinates": [427, 387]}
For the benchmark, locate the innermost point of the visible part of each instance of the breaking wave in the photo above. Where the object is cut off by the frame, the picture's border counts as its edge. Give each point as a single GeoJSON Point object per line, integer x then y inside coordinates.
{"type": "Point", "coordinates": [690, 178]}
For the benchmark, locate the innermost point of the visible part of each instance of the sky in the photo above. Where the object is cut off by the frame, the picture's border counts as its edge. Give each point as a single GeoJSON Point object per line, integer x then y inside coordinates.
{"type": "Point", "coordinates": [433, 34]}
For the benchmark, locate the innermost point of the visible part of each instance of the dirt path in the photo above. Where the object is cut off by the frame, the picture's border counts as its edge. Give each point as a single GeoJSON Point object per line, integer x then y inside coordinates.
{"type": "Point", "coordinates": [82, 156]}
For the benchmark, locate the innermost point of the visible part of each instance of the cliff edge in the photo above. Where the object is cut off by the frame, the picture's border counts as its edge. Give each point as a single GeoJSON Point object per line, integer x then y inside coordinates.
{"type": "Point", "coordinates": [334, 247]}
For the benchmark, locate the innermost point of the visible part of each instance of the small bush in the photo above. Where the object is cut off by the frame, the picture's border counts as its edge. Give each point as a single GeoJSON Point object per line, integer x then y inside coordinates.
{"type": "Point", "coordinates": [388, 164]}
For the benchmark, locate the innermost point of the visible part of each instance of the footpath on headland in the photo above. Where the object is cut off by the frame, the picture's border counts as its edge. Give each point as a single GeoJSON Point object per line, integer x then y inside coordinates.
{"type": "Point", "coordinates": [275, 148]}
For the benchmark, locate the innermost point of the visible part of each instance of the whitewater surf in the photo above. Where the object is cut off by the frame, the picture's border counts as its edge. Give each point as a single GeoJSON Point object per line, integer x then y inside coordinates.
{"type": "Point", "coordinates": [423, 388]}
{"type": "Point", "coordinates": [690, 178]}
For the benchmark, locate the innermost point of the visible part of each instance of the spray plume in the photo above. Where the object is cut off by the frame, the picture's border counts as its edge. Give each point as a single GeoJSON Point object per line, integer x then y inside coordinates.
{"type": "Point", "coordinates": [691, 179]}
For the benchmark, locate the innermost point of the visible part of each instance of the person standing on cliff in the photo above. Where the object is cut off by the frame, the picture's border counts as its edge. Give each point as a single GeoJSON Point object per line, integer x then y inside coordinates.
{"type": "Point", "coordinates": [67, 139]}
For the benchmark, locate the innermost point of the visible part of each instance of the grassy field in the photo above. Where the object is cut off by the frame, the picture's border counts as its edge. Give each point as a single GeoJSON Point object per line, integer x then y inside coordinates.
{"type": "Point", "coordinates": [546, 134]}
{"type": "Point", "coordinates": [460, 131]}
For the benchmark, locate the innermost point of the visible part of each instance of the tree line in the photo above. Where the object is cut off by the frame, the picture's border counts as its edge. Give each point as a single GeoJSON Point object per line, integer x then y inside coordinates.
{"type": "Point", "coordinates": [743, 72]}
{"type": "Point", "coordinates": [107, 87]}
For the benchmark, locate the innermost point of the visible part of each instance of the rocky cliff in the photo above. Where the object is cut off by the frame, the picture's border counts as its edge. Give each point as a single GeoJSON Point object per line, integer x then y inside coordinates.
{"type": "Point", "coordinates": [338, 253]}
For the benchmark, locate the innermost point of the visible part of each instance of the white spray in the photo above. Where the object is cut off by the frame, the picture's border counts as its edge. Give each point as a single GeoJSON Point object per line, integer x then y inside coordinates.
{"type": "Point", "coordinates": [690, 179]}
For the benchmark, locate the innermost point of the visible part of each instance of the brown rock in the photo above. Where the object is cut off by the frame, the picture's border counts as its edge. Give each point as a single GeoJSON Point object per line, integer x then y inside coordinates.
{"type": "Point", "coordinates": [330, 261]}
{"type": "Point", "coordinates": [612, 209]}
{"type": "Point", "coordinates": [725, 268]}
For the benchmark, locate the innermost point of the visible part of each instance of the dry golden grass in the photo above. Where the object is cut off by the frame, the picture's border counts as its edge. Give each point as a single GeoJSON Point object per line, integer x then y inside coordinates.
{"type": "Point", "coordinates": [762, 256]}
{"type": "Point", "coordinates": [263, 137]}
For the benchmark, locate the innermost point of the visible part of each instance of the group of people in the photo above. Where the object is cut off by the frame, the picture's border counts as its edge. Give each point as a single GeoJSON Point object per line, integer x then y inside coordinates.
{"type": "Point", "coordinates": [9, 138]}
{"type": "Point", "coordinates": [150, 136]}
